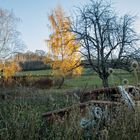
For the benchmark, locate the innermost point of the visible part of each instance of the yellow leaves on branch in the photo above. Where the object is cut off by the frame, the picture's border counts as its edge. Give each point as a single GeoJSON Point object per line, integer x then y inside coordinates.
{"type": "Point", "coordinates": [9, 69]}
{"type": "Point", "coordinates": [63, 47]}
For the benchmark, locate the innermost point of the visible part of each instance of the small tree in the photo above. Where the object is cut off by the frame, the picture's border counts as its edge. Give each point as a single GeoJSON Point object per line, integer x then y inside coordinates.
{"type": "Point", "coordinates": [63, 49]}
{"type": "Point", "coordinates": [10, 41]}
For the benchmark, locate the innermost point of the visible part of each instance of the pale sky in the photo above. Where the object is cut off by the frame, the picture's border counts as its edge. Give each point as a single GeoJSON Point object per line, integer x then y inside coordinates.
{"type": "Point", "coordinates": [33, 14]}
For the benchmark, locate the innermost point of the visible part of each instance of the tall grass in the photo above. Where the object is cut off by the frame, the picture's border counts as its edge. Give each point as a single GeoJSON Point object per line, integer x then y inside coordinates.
{"type": "Point", "coordinates": [21, 114]}
{"type": "Point", "coordinates": [18, 121]}
{"type": "Point", "coordinates": [23, 121]}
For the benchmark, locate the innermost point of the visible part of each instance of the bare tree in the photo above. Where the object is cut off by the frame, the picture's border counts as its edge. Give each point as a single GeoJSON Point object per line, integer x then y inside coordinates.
{"type": "Point", "coordinates": [105, 38]}
{"type": "Point", "coordinates": [10, 41]}
{"type": "Point", "coordinates": [40, 53]}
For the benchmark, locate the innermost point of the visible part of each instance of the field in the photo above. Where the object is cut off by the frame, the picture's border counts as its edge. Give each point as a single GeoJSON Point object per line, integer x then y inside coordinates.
{"type": "Point", "coordinates": [88, 78]}
{"type": "Point", "coordinates": [21, 111]}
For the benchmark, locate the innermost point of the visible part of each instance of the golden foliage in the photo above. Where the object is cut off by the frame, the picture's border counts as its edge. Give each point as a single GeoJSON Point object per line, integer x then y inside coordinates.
{"type": "Point", "coordinates": [47, 59]}
{"type": "Point", "coordinates": [63, 48]}
{"type": "Point", "coordinates": [9, 69]}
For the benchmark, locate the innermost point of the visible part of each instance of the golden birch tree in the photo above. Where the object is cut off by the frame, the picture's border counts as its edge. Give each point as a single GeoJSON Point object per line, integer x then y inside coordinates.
{"type": "Point", "coordinates": [62, 46]}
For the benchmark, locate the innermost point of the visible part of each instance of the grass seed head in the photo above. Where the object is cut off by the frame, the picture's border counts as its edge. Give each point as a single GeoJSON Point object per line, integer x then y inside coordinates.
{"type": "Point", "coordinates": [134, 65]}
{"type": "Point", "coordinates": [110, 70]}
{"type": "Point", "coordinates": [125, 82]}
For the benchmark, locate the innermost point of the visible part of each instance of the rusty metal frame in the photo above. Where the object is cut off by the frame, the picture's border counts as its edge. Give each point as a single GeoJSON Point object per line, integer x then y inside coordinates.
{"type": "Point", "coordinates": [84, 103]}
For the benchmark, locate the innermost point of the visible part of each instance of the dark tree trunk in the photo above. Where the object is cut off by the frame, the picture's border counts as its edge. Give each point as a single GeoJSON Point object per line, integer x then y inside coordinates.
{"type": "Point", "coordinates": [104, 77]}
{"type": "Point", "coordinates": [61, 83]}
{"type": "Point", "coordinates": [105, 84]}
{"type": "Point", "coordinates": [105, 81]}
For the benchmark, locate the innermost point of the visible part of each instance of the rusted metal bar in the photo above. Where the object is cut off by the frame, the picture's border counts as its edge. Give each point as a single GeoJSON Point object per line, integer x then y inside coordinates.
{"type": "Point", "coordinates": [65, 111]}
{"type": "Point", "coordinates": [93, 95]}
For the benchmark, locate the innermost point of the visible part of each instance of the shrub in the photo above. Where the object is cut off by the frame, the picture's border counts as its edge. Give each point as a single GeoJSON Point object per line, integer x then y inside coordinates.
{"type": "Point", "coordinates": [13, 81]}
{"type": "Point", "coordinates": [33, 65]}
{"type": "Point", "coordinates": [43, 83]}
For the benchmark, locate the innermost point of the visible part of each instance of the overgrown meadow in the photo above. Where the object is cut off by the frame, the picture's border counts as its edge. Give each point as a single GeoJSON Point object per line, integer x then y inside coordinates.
{"type": "Point", "coordinates": [22, 106]}
{"type": "Point", "coordinates": [95, 47]}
